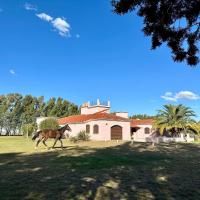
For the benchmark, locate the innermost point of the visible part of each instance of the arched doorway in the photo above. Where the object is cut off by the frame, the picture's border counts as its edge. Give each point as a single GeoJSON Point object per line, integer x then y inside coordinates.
{"type": "Point", "coordinates": [116, 132]}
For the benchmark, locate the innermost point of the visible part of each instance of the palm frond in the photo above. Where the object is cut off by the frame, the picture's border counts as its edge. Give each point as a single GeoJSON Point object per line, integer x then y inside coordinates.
{"type": "Point", "coordinates": [173, 118]}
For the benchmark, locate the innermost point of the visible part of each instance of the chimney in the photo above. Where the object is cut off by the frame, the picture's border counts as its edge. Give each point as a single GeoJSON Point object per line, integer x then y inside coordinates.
{"type": "Point", "coordinates": [98, 102]}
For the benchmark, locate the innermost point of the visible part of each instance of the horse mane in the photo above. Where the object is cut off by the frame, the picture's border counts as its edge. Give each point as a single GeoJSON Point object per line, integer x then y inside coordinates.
{"type": "Point", "coordinates": [61, 128]}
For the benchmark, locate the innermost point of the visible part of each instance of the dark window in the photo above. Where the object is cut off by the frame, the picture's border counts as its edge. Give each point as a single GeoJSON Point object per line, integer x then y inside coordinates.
{"type": "Point", "coordinates": [87, 128]}
{"type": "Point", "coordinates": [96, 129]}
{"type": "Point", "coordinates": [147, 130]}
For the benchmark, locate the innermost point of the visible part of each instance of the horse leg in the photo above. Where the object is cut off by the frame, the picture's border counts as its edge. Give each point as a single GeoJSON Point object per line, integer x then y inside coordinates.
{"type": "Point", "coordinates": [44, 142]}
{"type": "Point", "coordinates": [61, 143]}
{"type": "Point", "coordinates": [38, 142]}
{"type": "Point", "coordinates": [56, 139]}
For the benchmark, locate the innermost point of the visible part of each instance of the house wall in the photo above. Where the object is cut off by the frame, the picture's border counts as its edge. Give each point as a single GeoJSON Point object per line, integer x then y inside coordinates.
{"type": "Point", "coordinates": [104, 129]}
{"type": "Point", "coordinates": [122, 114]}
{"type": "Point", "coordinates": [87, 108]}
{"type": "Point", "coordinates": [140, 134]}
{"type": "Point", "coordinates": [94, 109]}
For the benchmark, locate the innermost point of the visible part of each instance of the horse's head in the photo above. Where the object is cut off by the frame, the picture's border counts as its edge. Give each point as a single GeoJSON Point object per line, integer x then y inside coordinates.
{"type": "Point", "coordinates": [66, 128]}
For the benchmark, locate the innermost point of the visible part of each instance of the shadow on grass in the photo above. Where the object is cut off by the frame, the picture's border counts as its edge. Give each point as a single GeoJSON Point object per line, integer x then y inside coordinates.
{"type": "Point", "coordinates": [170, 171]}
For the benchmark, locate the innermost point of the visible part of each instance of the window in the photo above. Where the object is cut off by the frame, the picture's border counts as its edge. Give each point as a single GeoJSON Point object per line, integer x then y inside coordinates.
{"type": "Point", "coordinates": [96, 129]}
{"type": "Point", "coordinates": [87, 128]}
{"type": "Point", "coordinates": [147, 130]}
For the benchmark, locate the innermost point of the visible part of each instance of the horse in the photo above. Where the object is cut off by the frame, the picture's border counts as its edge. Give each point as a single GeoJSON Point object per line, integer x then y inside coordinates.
{"type": "Point", "coordinates": [44, 135]}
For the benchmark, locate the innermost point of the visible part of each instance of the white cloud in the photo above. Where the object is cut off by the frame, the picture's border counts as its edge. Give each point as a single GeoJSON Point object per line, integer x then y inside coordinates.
{"type": "Point", "coordinates": [45, 17]}
{"type": "Point", "coordinates": [59, 24]}
{"type": "Point", "coordinates": [62, 26]}
{"type": "Point", "coordinates": [77, 36]}
{"type": "Point", "coordinates": [12, 72]}
{"type": "Point", "coordinates": [29, 6]}
{"type": "Point", "coordinates": [188, 95]}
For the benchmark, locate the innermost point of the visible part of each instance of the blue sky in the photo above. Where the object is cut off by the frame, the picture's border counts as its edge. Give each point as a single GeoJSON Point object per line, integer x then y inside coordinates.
{"type": "Point", "coordinates": [81, 51]}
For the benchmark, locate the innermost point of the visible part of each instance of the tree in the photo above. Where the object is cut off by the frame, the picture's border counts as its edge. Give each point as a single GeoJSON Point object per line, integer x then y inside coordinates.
{"type": "Point", "coordinates": [194, 127]}
{"type": "Point", "coordinates": [17, 111]}
{"type": "Point", "coordinates": [142, 116]}
{"type": "Point", "coordinates": [28, 109]}
{"type": "Point", "coordinates": [174, 119]}
{"type": "Point", "coordinates": [176, 23]}
{"type": "Point", "coordinates": [2, 112]}
{"type": "Point", "coordinates": [57, 109]}
{"type": "Point", "coordinates": [49, 107]}
{"type": "Point", "coordinates": [49, 124]}
{"type": "Point", "coordinates": [73, 109]}
{"type": "Point", "coordinates": [28, 129]}
{"type": "Point", "coordinates": [10, 109]}
{"type": "Point", "coordinates": [39, 106]}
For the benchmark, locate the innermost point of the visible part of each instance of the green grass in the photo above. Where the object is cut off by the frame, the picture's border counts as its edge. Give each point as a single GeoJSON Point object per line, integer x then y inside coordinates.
{"type": "Point", "coordinates": [98, 170]}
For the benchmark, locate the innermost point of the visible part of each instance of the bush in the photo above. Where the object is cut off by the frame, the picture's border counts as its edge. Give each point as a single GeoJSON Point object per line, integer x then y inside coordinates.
{"type": "Point", "coordinates": [49, 124]}
{"type": "Point", "coordinates": [82, 136]}
{"type": "Point", "coordinates": [73, 139]}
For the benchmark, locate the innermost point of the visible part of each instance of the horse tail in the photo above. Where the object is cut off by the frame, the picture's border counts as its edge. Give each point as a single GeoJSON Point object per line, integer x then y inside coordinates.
{"type": "Point", "coordinates": [36, 135]}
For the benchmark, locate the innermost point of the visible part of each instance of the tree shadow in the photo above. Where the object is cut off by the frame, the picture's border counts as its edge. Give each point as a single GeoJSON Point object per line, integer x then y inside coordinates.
{"type": "Point", "coordinates": [138, 171]}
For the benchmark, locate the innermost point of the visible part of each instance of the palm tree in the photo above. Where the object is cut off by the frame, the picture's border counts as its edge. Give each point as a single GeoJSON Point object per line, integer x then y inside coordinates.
{"type": "Point", "coordinates": [194, 127]}
{"type": "Point", "coordinates": [174, 119]}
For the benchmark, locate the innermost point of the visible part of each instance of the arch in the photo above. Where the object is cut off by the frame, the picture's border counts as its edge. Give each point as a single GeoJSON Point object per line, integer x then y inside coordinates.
{"type": "Point", "coordinates": [95, 129]}
{"type": "Point", "coordinates": [87, 128]}
{"type": "Point", "coordinates": [116, 132]}
{"type": "Point", "coordinates": [147, 130]}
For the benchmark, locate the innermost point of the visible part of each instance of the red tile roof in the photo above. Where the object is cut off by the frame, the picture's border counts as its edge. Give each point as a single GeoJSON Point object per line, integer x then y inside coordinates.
{"type": "Point", "coordinates": [136, 122]}
{"type": "Point", "coordinates": [90, 117]}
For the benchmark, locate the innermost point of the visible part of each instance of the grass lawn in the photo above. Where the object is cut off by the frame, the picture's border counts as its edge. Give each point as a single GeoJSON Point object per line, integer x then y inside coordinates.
{"type": "Point", "coordinates": [98, 170]}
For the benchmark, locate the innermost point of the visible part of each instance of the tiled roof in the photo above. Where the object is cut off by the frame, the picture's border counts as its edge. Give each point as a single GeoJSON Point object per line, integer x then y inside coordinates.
{"type": "Point", "coordinates": [90, 117]}
{"type": "Point", "coordinates": [137, 122]}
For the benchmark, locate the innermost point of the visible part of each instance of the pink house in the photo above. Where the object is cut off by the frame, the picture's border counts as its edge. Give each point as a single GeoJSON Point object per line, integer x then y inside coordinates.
{"type": "Point", "coordinates": [97, 120]}
{"type": "Point", "coordinates": [100, 124]}
{"type": "Point", "coordinates": [141, 129]}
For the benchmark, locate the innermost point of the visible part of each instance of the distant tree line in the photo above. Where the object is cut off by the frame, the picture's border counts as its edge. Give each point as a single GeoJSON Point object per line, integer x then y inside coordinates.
{"type": "Point", "coordinates": [142, 116]}
{"type": "Point", "coordinates": [18, 112]}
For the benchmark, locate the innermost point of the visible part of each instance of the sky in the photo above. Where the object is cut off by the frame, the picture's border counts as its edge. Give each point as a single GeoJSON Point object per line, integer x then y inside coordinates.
{"type": "Point", "coordinates": [81, 51]}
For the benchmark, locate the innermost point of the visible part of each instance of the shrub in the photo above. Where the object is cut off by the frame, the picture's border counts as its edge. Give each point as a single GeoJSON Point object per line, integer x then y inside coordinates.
{"type": "Point", "coordinates": [73, 139]}
{"type": "Point", "coordinates": [81, 136]}
{"type": "Point", "coordinates": [49, 124]}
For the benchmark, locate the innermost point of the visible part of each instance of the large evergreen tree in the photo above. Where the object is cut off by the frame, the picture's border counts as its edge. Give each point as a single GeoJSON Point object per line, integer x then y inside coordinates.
{"type": "Point", "coordinates": [176, 23]}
